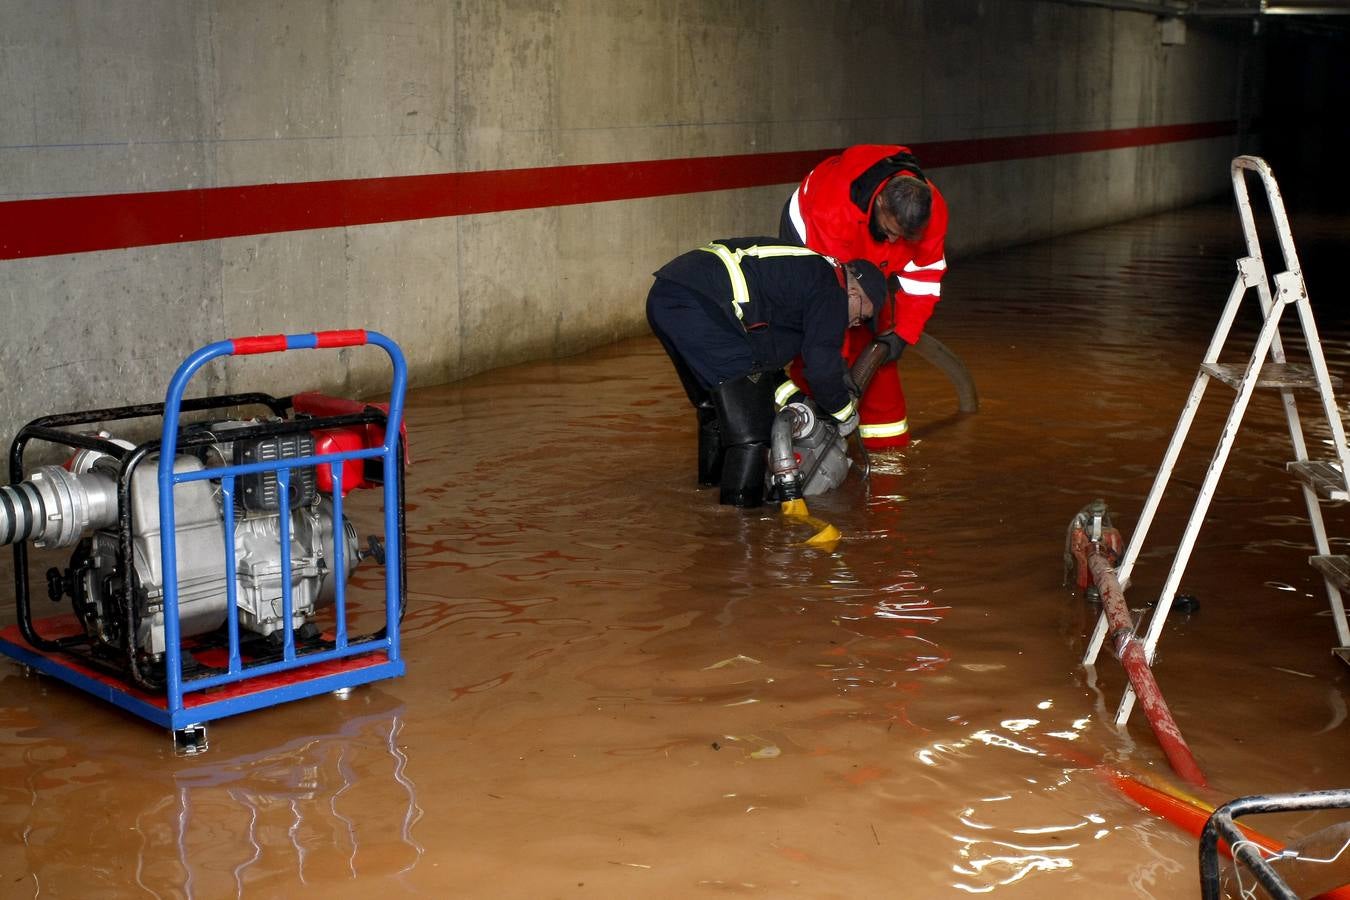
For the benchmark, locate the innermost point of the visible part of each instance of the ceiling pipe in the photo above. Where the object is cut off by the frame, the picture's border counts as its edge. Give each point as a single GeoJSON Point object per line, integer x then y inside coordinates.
{"type": "Point", "coordinates": [1186, 10]}
{"type": "Point", "coordinates": [1269, 11]}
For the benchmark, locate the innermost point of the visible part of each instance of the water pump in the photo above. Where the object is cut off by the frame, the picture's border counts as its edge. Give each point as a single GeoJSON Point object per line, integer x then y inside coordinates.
{"type": "Point", "coordinates": [208, 565]}
{"type": "Point", "coordinates": [77, 505]}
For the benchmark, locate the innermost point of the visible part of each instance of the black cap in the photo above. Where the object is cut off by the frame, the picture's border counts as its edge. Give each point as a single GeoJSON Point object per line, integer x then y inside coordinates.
{"type": "Point", "coordinates": [869, 279]}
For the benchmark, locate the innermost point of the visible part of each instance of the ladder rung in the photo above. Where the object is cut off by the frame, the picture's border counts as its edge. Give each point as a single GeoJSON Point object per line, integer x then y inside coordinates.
{"type": "Point", "coordinates": [1336, 569]}
{"type": "Point", "coordinates": [1323, 476]}
{"type": "Point", "coordinates": [1343, 653]}
{"type": "Point", "coordinates": [1272, 375]}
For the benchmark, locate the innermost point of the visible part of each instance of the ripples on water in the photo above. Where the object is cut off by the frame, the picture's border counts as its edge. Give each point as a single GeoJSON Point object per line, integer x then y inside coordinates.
{"type": "Point", "coordinates": [617, 687]}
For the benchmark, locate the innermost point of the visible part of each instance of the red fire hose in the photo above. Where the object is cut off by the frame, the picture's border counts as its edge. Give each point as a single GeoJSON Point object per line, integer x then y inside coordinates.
{"type": "Point", "coordinates": [1131, 653]}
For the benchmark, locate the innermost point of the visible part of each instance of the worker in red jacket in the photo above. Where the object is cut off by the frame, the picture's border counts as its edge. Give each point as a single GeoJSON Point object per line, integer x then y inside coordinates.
{"type": "Point", "coordinates": [873, 202]}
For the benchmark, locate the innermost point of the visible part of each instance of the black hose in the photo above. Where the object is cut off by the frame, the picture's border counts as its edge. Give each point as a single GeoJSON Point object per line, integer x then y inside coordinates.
{"type": "Point", "coordinates": [866, 469]}
{"type": "Point", "coordinates": [940, 355]}
{"type": "Point", "coordinates": [865, 367]}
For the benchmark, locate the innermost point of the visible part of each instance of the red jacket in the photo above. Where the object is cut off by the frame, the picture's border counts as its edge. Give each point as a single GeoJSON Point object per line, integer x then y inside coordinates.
{"type": "Point", "coordinates": [831, 203]}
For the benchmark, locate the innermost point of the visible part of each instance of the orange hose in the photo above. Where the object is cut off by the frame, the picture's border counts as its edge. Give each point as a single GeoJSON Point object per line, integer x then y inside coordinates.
{"type": "Point", "coordinates": [1187, 813]}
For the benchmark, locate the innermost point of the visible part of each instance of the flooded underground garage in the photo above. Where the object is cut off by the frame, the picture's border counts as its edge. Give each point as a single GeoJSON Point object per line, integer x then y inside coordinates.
{"type": "Point", "coordinates": [548, 449]}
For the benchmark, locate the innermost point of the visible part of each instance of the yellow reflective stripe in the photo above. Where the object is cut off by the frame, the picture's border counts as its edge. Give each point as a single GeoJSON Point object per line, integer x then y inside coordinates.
{"type": "Point", "coordinates": [843, 414]}
{"type": "Point", "coordinates": [740, 290]}
{"type": "Point", "coordinates": [776, 250]}
{"type": "Point", "coordinates": [785, 390]}
{"type": "Point", "coordinates": [888, 429]}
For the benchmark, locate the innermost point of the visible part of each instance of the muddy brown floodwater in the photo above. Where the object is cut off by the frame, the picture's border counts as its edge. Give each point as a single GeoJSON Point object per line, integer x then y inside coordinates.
{"type": "Point", "coordinates": [617, 688]}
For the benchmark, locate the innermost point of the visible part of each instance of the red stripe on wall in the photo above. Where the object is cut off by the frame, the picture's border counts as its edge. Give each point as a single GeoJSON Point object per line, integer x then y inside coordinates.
{"type": "Point", "coordinates": [48, 227]}
{"type": "Point", "coordinates": [962, 153]}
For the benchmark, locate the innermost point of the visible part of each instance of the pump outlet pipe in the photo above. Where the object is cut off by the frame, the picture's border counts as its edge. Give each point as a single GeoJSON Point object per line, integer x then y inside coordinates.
{"type": "Point", "coordinates": [783, 464]}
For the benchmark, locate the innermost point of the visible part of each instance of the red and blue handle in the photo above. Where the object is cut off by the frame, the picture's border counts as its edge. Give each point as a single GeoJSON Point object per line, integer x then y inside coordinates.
{"type": "Point", "coordinates": [318, 340]}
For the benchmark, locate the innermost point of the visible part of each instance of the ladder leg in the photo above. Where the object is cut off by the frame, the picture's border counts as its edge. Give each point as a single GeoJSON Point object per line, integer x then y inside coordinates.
{"type": "Point", "coordinates": [1169, 462]}
{"type": "Point", "coordinates": [1269, 331]}
{"type": "Point", "coordinates": [1094, 645]}
{"type": "Point", "coordinates": [1291, 288]}
{"type": "Point", "coordinates": [1229, 435]}
{"type": "Point", "coordinates": [1299, 444]}
{"type": "Point", "coordinates": [1151, 503]}
{"type": "Point", "coordinates": [1126, 706]}
{"type": "Point", "coordinates": [1323, 549]}
{"type": "Point", "coordinates": [1292, 282]}
{"type": "Point", "coordinates": [1333, 416]}
{"type": "Point", "coordinates": [1319, 364]}
{"type": "Point", "coordinates": [1338, 614]}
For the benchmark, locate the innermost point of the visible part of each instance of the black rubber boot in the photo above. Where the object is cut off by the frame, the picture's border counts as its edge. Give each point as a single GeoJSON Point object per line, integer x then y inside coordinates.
{"type": "Point", "coordinates": [745, 417]}
{"type": "Point", "coordinates": [709, 444]}
{"type": "Point", "coordinates": [743, 472]}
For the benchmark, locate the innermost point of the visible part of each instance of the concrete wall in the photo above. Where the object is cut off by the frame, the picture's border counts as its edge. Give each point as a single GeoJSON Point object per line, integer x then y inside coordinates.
{"type": "Point", "coordinates": [112, 96]}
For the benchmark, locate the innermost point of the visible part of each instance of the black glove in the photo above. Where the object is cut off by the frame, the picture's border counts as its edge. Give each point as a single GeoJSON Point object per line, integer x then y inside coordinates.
{"type": "Point", "coordinates": [851, 386]}
{"type": "Point", "coordinates": [895, 345]}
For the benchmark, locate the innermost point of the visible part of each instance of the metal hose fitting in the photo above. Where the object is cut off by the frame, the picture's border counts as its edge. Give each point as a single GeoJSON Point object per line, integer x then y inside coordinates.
{"type": "Point", "coordinates": [53, 507]}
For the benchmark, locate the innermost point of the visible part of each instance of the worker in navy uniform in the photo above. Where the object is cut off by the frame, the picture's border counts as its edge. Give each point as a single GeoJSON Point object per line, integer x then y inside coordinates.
{"type": "Point", "coordinates": [731, 315]}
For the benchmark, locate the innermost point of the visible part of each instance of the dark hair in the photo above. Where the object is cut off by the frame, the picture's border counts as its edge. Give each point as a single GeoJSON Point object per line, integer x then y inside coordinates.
{"type": "Point", "coordinates": [911, 201]}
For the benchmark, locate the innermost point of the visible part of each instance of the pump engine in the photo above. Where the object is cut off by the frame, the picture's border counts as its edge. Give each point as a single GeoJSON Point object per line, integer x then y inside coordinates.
{"type": "Point", "coordinates": [77, 505]}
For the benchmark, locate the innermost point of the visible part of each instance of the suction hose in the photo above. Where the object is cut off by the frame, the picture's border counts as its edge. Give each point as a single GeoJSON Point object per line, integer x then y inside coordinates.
{"type": "Point", "coordinates": [940, 355]}
{"type": "Point", "coordinates": [868, 363]}
{"type": "Point", "coordinates": [937, 353]}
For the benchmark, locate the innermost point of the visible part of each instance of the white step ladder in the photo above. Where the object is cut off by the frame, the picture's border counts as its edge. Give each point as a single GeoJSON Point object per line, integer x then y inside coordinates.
{"type": "Point", "coordinates": [1321, 478]}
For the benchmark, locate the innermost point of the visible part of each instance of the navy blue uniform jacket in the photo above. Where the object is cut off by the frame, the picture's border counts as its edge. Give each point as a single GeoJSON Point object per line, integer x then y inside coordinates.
{"type": "Point", "coordinates": [797, 306]}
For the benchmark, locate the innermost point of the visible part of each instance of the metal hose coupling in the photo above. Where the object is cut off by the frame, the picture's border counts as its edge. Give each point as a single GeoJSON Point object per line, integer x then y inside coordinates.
{"type": "Point", "coordinates": [783, 465]}
{"type": "Point", "coordinates": [53, 507]}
